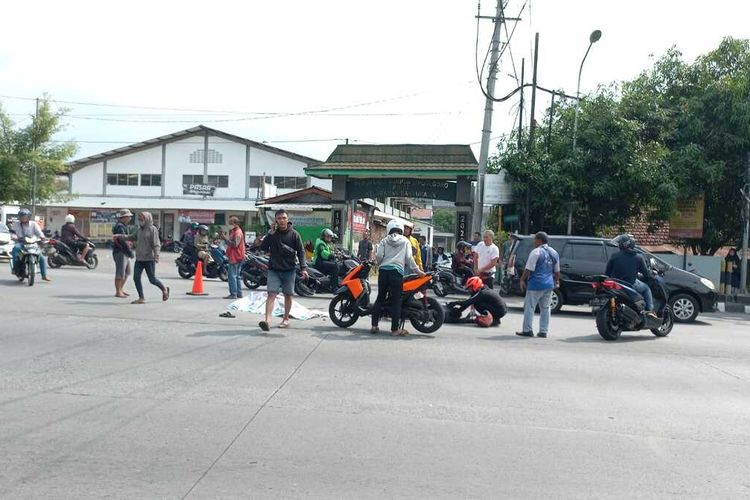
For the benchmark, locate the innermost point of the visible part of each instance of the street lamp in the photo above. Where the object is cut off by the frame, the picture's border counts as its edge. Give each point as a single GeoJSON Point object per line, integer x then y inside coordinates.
{"type": "Point", "coordinates": [593, 38]}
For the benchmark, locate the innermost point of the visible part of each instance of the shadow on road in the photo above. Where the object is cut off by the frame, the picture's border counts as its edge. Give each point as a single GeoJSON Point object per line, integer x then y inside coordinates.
{"type": "Point", "coordinates": [244, 330]}
{"type": "Point", "coordinates": [598, 339]}
{"type": "Point", "coordinates": [363, 334]}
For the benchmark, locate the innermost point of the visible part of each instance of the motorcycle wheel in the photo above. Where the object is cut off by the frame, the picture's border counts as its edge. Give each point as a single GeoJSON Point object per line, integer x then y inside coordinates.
{"type": "Point", "coordinates": [92, 261]}
{"type": "Point", "coordinates": [342, 311]}
{"type": "Point", "coordinates": [439, 288]}
{"type": "Point", "coordinates": [177, 248]}
{"type": "Point", "coordinates": [249, 282]}
{"type": "Point", "coordinates": [55, 261]}
{"type": "Point", "coordinates": [302, 289]}
{"type": "Point", "coordinates": [224, 273]}
{"type": "Point", "coordinates": [606, 327]}
{"type": "Point", "coordinates": [31, 269]}
{"type": "Point", "coordinates": [436, 316]}
{"type": "Point", "coordinates": [667, 324]}
{"type": "Point", "coordinates": [185, 273]}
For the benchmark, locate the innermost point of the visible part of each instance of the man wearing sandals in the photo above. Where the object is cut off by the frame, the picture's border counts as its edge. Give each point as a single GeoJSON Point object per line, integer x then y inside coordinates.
{"type": "Point", "coordinates": [285, 247]}
{"type": "Point", "coordinates": [147, 246]}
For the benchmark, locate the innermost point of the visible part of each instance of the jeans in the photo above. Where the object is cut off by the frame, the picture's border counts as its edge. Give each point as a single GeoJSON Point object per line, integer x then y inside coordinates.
{"type": "Point", "coordinates": [534, 297]}
{"type": "Point", "coordinates": [14, 259]}
{"type": "Point", "coordinates": [235, 279]}
{"type": "Point", "coordinates": [648, 297]}
{"type": "Point", "coordinates": [150, 267]}
{"type": "Point", "coordinates": [390, 283]}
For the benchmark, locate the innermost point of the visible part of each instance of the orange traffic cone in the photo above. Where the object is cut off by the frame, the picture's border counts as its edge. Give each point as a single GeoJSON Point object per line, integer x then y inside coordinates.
{"type": "Point", "coordinates": [198, 281]}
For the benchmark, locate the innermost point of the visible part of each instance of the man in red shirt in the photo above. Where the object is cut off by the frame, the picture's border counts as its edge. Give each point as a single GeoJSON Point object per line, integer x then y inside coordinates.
{"type": "Point", "coordinates": [235, 254]}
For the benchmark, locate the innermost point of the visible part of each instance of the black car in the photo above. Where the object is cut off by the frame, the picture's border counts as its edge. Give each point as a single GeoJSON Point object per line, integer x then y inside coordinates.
{"type": "Point", "coordinates": [583, 257]}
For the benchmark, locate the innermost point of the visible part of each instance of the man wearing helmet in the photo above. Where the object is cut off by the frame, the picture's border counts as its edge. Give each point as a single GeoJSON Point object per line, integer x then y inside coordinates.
{"type": "Point", "coordinates": [394, 257]}
{"type": "Point", "coordinates": [188, 241]}
{"type": "Point", "coordinates": [70, 235]}
{"type": "Point", "coordinates": [625, 266]}
{"type": "Point", "coordinates": [23, 228]}
{"type": "Point", "coordinates": [484, 300]}
{"type": "Point", "coordinates": [324, 256]}
{"type": "Point", "coordinates": [202, 243]}
{"type": "Point", "coordinates": [462, 263]}
{"type": "Point", "coordinates": [416, 249]}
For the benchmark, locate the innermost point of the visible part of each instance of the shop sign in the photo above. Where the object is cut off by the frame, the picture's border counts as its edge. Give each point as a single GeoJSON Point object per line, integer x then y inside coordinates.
{"type": "Point", "coordinates": [359, 221]}
{"type": "Point", "coordinates": [110, 217]}
{"type": "Point", "coordinates": [199, 216]}
{"type": "Point", "coordinates": [198, 189]}
{"type": "Point", "coordinates": [462, 226]}
{"type": "Point", "coordinates": [421, 213]}
{"type": "Point", "coordinates": [336, 224]}
{"type": "Point", "coordinates": [687, 222]}
{"type": "Point", "coordinates": [435, 189]}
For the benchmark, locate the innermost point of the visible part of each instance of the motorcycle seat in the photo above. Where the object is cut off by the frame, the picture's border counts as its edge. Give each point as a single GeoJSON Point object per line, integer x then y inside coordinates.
{"type": "Point", "coordinates": [410, 277]}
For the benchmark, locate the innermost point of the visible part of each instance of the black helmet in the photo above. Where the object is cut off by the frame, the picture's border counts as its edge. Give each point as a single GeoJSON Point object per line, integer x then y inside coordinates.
{"type": "Point", "coordinates": [24, 212]}
{"type": "Point", "coordinates": [625, 242]}
{"type": "Point", "coordinates": [463, 244]}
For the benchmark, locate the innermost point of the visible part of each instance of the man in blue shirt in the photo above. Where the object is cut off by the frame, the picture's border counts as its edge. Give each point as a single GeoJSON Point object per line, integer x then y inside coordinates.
{"type": "Point", "coordinates": [540, 277]}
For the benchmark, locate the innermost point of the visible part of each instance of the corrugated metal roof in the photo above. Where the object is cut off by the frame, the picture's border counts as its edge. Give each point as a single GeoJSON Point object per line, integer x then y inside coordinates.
{"type": "Point", "coordinates": [400, 156]}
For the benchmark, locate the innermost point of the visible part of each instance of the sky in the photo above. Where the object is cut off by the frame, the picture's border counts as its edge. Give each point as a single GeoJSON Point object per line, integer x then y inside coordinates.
{"type": "Point", "coordinates": [373, 72]}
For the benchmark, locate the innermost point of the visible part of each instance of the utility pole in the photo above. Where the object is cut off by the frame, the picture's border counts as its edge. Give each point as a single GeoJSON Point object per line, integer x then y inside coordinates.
{"type": "Point", "coordinates": [549, 125]}
{"type": "Point", "coordinates": [520, 107]}
{"type": "Point", "coordinates": [33, 167]}
{"type": "Point", "coordinates": [532, 130]}
{"type": "Point", "coordinates": [746, 224]}
{"type": "Point", "coordinates": [478, 205]}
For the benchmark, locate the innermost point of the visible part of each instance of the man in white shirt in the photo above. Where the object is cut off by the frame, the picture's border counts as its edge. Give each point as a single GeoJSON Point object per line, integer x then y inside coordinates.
{"type": "Point", "coordinates": [486, 257]}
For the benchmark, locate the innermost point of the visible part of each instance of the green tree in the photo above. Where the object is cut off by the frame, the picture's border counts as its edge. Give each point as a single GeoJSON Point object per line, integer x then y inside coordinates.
{"type": "Point", "coordinates": [23, 147]}
{"type": "Point", "coordinates": [444, 220]}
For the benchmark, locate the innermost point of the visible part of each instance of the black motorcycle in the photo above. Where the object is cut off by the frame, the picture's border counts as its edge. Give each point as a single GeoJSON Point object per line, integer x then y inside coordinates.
{"type": "Point", "coordinates": [61, 254]}
{"type": "Point", "coordinates": [254, 271]}
{"type": "Point", "coordinates": [620, 308]}
{"type": "Point", "coordinates": [28, 259]}
{"type": "Point", "coordinates": [319, 282]}
{"type": "Point", "coordinates": [446, 281]}
{"type": "Point", "coordinates": [217, 268]}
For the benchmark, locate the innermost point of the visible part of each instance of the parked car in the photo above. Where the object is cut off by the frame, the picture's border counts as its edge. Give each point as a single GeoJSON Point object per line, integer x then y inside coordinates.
{"type": "Point", "coordinates": [583, 257]}
{"type": "Point", "coordinates": [6, 246]}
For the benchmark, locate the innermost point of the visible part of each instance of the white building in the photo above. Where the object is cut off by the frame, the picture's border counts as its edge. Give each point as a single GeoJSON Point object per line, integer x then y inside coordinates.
{"type": "Point", "coordinates": [151, 175]}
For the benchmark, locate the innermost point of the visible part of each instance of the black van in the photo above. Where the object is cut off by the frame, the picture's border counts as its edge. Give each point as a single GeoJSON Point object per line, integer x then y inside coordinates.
{"type": "Point", "coordinates": [581, 256]}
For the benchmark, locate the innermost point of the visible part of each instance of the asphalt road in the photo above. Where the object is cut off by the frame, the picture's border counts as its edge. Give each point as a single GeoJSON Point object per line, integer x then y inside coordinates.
{"type": "Point", "coordinates": [103, 399]}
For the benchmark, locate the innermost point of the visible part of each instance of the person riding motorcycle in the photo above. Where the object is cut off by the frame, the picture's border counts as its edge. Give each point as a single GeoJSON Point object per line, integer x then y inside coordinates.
{"type": "Point", "coordinates": [202, 244]}
{"type": "Point", "coordinates": [324, 256]}
{"type": "Point", "coordinates": [461, 263]}
{"type": "Point", "coordinates": [21, 229]}
{"type": "Point", "coordinates": [484, 300]}
{"type": "Point", "coordinates": [70, 235]}
{"type": "Point", "coordinates": [625, 266]}
{"type": "Point", "coordinates": [188, 241]}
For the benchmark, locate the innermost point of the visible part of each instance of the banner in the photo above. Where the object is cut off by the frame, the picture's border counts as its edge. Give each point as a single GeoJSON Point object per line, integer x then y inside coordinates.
{"type": "Point", "coordinates": [199, 216]}
{"type": "Point", "coordinates": [199, 189]}
{"type": "Point", "coordinates": [359, 221]}
{"type": "Point", "coordinates": [687, 222]}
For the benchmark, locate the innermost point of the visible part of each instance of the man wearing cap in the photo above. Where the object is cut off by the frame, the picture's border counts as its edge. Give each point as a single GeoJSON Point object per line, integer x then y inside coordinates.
{"type": "Point", "coordinates": [121, 252]}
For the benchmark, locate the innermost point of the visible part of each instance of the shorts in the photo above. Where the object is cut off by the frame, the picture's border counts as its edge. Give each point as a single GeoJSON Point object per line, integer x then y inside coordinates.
{"type": "Point", "coordinates": [122, 265]}
{"type": "Point", "coordinates": [281, 280]}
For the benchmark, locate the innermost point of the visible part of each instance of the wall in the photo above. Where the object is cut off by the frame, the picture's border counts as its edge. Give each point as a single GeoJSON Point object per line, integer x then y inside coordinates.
{"type": "Point", "coordinates": [140, 162]}
{"type": "Point", "coordinates": [703, 265]}
{"type": "Point", "coordinates": [88, 180]}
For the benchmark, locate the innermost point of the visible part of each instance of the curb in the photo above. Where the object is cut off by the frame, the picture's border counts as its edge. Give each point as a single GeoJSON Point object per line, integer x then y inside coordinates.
{"type": "Point", "coordinates": [733, 307]}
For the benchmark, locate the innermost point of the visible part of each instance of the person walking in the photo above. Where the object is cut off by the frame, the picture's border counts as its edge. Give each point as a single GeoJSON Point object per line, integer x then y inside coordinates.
{"type": "Point", "coordinates": [121, 252]}
{"type": "Point", "coordinates": [364, 249]}
{"type": "Point", "coordinates": [394, 257]}
{"type": "Point", "coordinates": [284, 245]}
{"type": "Point", "coordinates": [486, 258]}
{"type": "Point", "coordinates": [540, 277]}
{"type": "Point", "coordinates": [147, 247]}
{"type": "Point", "coordinates": [236, 255]}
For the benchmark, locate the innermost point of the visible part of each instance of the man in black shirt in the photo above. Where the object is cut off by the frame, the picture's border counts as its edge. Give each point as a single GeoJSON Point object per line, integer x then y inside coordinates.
{"type": "Point", "coordinates": [285, 247]}
{"type": "Point", "coordinates": [626, 265]}
{"type": "Point", "coordinates": [364, 250]}
{"type": "Point", "coordinates": [483, 299]}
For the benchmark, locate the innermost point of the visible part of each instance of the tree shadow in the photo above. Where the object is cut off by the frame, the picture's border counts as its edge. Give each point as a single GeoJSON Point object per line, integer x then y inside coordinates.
{"type": "Point", "coordinates": [252, 331]}
{"type": "Point", "coordinates": [360, 334]}
{"type": "Point", "coordinates": [507, 337]}
{"type": "Point", "coordinates": [598, 339]}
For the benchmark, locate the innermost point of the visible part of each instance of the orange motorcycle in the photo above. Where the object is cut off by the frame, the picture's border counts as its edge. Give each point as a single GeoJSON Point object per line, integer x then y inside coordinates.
{"type": "Point", "coordinates": [352, 301]}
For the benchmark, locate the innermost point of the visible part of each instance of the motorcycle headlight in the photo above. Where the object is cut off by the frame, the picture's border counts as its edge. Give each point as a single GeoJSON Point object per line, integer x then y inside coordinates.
{"type": "Point", "coordinates": [708, 283]}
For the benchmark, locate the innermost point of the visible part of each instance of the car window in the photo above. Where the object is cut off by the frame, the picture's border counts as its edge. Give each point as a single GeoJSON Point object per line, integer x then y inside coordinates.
{"type": "Point", "coordinates": [587, 252]}
{"type": "Point", "coordinates": [557, 244]}
{"type": "Point", "coordinates": [522, 249]}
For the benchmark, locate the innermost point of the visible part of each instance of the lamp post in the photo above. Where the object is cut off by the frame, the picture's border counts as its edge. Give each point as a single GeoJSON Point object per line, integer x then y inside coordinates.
{"type": "Point", "coordinates": [593, 38]}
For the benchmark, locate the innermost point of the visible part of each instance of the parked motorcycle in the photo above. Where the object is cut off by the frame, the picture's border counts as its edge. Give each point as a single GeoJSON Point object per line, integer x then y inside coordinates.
{"type": "Point", "coordinates": [318, 282]}
{"type": "Point", "coordinates": [352, 301]}
{"type": "Point", "coordinates": [619, 308]}
{"type": "Point", "coordinates": [216, 269]}
{"type": "Point", "coordinates": [447, 281]}
{"type": "Point", "coordinates": [254, 271]}
{"type": "Point", "coordinates": [61, 254]}
{"type": "Point", "coordinates": [171, 245]}
{"type": "Point", "coordinates": [28, 259]}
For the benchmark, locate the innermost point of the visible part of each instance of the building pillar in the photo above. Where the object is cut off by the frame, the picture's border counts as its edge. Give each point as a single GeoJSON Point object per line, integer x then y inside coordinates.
{"type": "Point", "coordinates": [463, 209]}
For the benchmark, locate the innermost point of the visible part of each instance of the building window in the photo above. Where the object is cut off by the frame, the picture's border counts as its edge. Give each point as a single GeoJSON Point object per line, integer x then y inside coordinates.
{"type": "Point", "coordinates": [150, 179]}
{"type": "Point", "coordinates": [256, 181]}
{"type": "Point", "coordinates": [219, 181]}
{"type": "Point", "coordinates": [122, 179]}
{"type": "Point", "coordinates": [213, 156]}
{"type": "Point", "coordinates": [290, 182]}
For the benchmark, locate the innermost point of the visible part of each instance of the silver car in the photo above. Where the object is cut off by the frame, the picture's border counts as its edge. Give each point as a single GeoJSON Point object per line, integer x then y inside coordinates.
{"type": "Point", "coordinates": [6, 245]}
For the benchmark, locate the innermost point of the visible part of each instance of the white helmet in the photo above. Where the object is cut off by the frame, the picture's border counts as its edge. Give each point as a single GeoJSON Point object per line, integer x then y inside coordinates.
{"type": "Point", "coordinates": [70, 218]}
{"type": "Point", "coordinates": [394, 225]}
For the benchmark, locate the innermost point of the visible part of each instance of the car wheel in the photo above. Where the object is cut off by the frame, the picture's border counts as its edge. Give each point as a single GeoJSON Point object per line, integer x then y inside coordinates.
{"type": "Point", "coordinates": [556, 301]}
{"type": "Point", "coordinates": [684, 307]}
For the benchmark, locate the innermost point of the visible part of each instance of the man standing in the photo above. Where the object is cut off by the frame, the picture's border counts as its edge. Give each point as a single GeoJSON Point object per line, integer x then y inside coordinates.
{"type": "Point", "coordinates": [426, 253]}
{"type": "Point", "coordinates": [408, 229]}
{"type": "Point", "coordinates": [236, 255]}
{"type": "Point", "coordinates": [364, 250]}
{"type": "Point", "coordinates": [542, 274]}
{"type": "Point", "coordinates": [121, 252]}
{"type": "Point", "coordinates": [284, 245]}
{"type": "Point", "coordinates": [24, 228]}
{"type": "Point", "coordinates": [486, 259]}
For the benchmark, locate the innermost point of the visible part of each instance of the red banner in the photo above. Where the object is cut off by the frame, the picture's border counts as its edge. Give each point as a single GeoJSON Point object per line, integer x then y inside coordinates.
{"type": "Point", "coordinates": [359, 221]}
{"type": "Point", "coordinates": [200, 216]}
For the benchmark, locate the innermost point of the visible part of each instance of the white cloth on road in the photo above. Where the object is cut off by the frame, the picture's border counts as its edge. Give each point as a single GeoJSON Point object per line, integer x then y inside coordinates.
{"type": "Point", "coordinates": [255, 302]}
